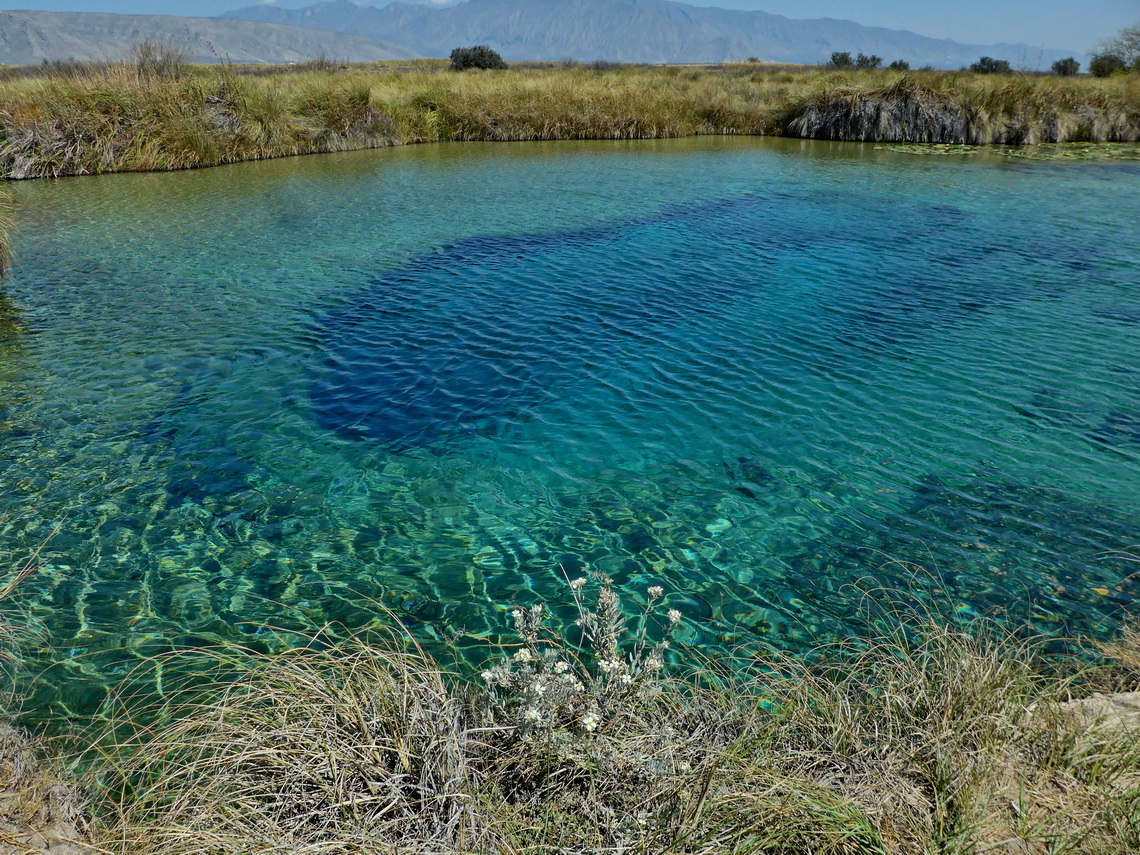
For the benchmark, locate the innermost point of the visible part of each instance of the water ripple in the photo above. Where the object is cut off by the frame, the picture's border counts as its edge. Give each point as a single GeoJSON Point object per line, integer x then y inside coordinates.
{"type": "Point", "coordinates": [760, 379]}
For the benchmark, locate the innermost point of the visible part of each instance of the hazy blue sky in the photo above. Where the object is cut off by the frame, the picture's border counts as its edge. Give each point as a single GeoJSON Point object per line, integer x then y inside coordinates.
{"type": "Point", "coordinates": [1064, 24]}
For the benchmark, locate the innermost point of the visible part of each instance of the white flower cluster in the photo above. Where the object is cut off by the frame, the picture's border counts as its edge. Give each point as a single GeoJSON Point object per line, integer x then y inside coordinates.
{"type": "Point", "coordinates": [542, 684]}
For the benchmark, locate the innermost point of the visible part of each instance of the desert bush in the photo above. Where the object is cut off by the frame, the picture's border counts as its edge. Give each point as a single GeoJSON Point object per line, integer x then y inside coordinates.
{"type": "Point", "coordinates": [899, 65]}
{"type": "Point", "coordinates": [1125, 45]}
{"type": "Point", "coordinates": [841, 60]}
{"type": "Point", "coordinates": [1107, 64]}
{"type": "Point", "coordinates": [477, 56]}
{"type": "Point", "coordinates": [989, 65]}
{"type": "Point", "coordinates": [320, 62]}
{"type": "Point", "coordinates": [547, 683]}
{"type": "Point", "coordinates": [1066, 67]}
{"type": "Point", "coordinates": [70, 68]}
{"type": "Point", "coordinates": [864, 62]}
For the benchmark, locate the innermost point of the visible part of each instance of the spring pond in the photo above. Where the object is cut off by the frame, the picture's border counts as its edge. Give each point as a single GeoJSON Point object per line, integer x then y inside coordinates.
{"type": "Point", "coordinates": [767, 375]}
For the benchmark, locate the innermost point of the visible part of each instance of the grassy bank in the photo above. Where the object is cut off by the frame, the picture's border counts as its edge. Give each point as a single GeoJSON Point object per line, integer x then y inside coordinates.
{"type": "Point", "coordinates": [931, 738]}
{"type": "Point", "coordinates": [92, 118]}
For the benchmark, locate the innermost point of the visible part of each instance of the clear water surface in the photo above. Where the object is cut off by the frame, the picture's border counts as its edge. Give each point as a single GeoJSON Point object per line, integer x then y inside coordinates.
{"type": "Point", "coordinates": [443, 378]}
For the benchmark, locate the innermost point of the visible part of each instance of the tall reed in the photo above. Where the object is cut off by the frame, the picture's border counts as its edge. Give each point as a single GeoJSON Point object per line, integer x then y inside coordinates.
{"type": "Point", "coordinates": [157, 114]}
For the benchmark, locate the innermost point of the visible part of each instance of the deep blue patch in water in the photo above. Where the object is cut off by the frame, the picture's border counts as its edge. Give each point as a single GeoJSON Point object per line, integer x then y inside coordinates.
{"type": "Point", "coordinates": [470, 339]}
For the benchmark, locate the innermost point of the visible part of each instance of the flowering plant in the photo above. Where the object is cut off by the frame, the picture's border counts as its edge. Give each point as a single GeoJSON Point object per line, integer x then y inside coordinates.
{"type": "Point", "coordinates": [547, 683]}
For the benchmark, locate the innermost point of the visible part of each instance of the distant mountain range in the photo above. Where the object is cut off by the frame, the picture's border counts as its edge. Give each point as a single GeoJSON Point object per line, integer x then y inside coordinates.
{"type": "Point", "coordinates": [29, 37]}
{"type": "Point", "coordinates": [633, 31]}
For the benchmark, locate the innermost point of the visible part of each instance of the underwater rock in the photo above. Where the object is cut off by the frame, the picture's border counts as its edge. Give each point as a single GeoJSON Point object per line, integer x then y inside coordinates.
{"type": "Point", "coordinates": [752, 477]}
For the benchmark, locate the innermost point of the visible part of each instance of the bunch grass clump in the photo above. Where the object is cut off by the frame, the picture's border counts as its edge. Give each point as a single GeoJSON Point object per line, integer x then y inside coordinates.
{"type": "Point", "coordinates": [971, 109]}
{"type": "Point", "coordinates": [157, 112]}
{"type": "Point", "coordinates": [931, 738]}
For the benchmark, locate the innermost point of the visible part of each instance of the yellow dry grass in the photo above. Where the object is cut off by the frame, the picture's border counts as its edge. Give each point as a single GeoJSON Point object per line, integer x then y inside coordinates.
{"type": "Point", "coordinates": [932, 738]}
{"type": "Point", "coordinates": [94, 118]}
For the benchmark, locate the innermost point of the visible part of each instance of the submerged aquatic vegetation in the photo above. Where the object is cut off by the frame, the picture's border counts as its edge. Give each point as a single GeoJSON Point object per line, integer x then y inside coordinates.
{"type": "Point", "coordinates": [930, 738]}
{"type": "Point", "coordinates": [1059, 151]}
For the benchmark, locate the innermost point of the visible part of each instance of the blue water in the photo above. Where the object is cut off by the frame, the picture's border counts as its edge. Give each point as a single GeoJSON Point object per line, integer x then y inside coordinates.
{"type": "Point", "coordinates": [767, 375]}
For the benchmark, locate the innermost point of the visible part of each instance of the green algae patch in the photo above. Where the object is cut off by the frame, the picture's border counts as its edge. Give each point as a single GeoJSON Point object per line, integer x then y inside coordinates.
{"type": "Point", "coordinates": [1058, 151]}
{"type": "Point", "coordinates": [1076, 151]}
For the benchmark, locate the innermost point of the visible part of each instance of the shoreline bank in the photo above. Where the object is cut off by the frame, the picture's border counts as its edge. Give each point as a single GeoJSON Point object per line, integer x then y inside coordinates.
{"type": "Point", "coordinates": [98, 119]}
{"type": "Point", "coordinates": [932, 737]}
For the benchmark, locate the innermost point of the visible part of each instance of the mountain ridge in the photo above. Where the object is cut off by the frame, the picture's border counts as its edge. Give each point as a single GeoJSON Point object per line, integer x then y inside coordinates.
{"type": "Point", "coordinates": [29, 37]}
{"type": "Point", "coordinates": [657, 31]}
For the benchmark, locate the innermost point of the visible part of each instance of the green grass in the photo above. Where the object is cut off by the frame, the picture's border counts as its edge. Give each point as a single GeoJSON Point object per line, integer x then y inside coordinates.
{"type": "Point", "coordinates": [931, 738]}
{"type": "Point", "coordinates": [88, 118]}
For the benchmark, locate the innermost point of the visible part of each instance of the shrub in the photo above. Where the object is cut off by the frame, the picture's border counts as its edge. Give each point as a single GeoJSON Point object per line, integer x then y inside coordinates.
{"type": "Point", "coordinates": [1066, 67]}
{"type": "Point", "coordinates": [989, 65]}
{"type": "Point", "coordinates": [862, 61]}
{"type": "Point", "coordinates": [1107, 64]}
{"type": "Point", "coordinates": [1125, 45]}
{"type": "Point", "coordinates": [899, 65]}
{"type": "Point", "coordinates": [546, 683]}
{"type": "Point", "coordinates": [478, 56]}
{"type": "Point", "coordinates": [842, 59]}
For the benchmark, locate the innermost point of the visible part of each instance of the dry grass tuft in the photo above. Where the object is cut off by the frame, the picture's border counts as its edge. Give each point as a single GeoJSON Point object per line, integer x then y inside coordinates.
{"type": "Point", "coordinates": [157, 112]}
{"type": "Point", "coordinates": [1126, 648]}
{"type": "Point", "coordinates": [934, 738]}
{"type": "Point", "coordinates": [39, 813]}
{"type": "Point", "coordinates": [972, 110]}
{"type": "Point", "coordinates": [344, 750]}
